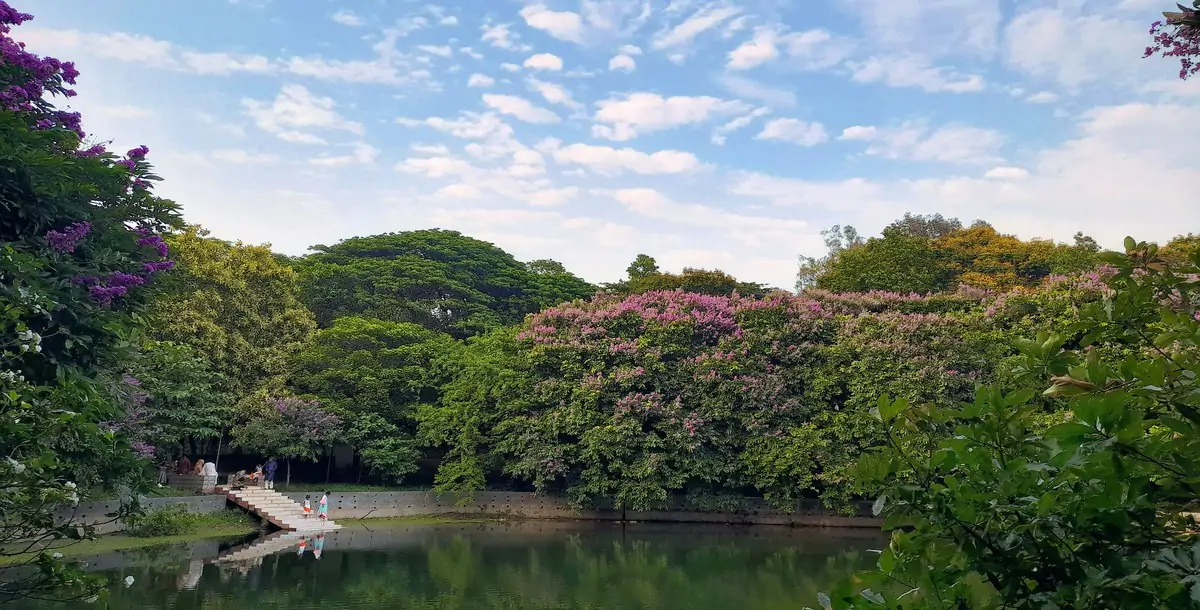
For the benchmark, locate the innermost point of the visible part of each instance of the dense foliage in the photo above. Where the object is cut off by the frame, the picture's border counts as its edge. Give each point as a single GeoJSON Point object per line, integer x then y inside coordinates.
{"type": "Point", "coordinates": [442, 280]}
{"type": "Point", "coordinates": [79, 250]}
{"type": "Point", "coordinates": [645, 276]}
{"type": "Point", "coordinates": [237, 305]}
{"type": "Point", "coordinates": [1086, 511]}
{"type": "Point", "coordinates": [931, 253]}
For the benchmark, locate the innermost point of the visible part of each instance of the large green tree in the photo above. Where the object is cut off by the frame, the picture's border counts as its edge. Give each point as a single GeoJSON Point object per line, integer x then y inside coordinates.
{"type": "Point", "coordinates": [237, 306]}
{"type": "Point", "coordinates": [442, 280]}
{"type": "Point", "coordinates": [896, 262]}
{"type": "Point", "coordinates": [374, 374]}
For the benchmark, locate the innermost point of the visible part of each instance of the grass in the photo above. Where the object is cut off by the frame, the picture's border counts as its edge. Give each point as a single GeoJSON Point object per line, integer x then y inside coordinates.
{"type": "Point", "coordinates": [224, 524]}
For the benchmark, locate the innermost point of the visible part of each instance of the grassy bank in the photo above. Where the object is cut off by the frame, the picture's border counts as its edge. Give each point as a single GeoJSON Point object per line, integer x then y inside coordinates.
{"type": "Point", "coordinates": [226, 524]}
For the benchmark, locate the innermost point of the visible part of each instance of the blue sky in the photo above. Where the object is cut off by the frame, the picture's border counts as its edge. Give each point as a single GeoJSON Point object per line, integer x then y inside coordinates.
{"type": "Point", "coordinates": [705, 133]}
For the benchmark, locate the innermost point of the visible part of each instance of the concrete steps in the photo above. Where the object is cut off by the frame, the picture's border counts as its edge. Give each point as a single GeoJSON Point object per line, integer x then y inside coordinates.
{"type": "Point", "coordinates": [276, 509]}
{"type": "Point", "coordinates": [262, 547]}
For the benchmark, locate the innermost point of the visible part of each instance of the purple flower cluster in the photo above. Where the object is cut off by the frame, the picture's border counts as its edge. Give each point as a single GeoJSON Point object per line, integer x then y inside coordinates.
{"type": "Point", "coordinates": [1182, 40]}
{"type": "Point", "coordinates": [143, 450]}
{"type": "Point", "coordinates": [154, 241]}
{"type": "Point", "coordinates": [36, 77]}
{"type": "Point", "coordinates": [67, 239]}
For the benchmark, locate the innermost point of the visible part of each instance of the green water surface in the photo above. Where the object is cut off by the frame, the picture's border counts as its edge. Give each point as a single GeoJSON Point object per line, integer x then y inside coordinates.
{"type": "Point", "coordinates": [511, 566]}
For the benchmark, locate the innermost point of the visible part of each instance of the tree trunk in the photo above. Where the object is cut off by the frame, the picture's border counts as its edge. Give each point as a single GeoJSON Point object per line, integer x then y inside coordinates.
{"type": "Point", "coordinates": [328, 463]}
{"type": "Point", "coordinates": [360, 465]}
{"type": "Point", "coordinates": [217, 460]}
{"type": "Point", "coordinates": [287, 483]}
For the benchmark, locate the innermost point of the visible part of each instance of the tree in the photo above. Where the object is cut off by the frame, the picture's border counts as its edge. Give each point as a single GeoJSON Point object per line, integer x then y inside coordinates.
{"type": "Point", "coordinates": [293, 429]}
{"type": "Point", "coordinates": [1086, 510]}
{"type": "Point", "coordinates": [837, 238]}
{"type": "Point", "coordinates": [238, 306]}
{"type": "Point", "coordinates": [442, 280]}
{"type": "Point", "coordinates": [643, 265]}
{"type": "Point", "coordinates": [1178, 37]}
{"type": "Point", "coordinates": [929, 226]}
{"type": "Point", "coordinates": [182, 398]}
{"type": "Point", "coordinates": [895, 262]}
{"type": "Point", "coordinates": [79, 253]}
{"type": "Point", "coordinates": [984, 258]}
{"type": "Point", "coordinates": [374, 374]}
{"type": "Point", "coordinates": [700, 281]}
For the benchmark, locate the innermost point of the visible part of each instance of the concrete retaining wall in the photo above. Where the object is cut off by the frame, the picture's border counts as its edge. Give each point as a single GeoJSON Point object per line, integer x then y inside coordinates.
{"type": "Point", "coordinates": [523, 505]}
{"type": "Point", "coordinates": [516, 505]}
{"type": "Point", "coordinates": [95, 513]}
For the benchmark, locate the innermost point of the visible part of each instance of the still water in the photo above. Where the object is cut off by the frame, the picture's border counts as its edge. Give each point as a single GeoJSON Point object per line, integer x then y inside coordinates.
{"type": "Point", "coordinates": [510, 566]}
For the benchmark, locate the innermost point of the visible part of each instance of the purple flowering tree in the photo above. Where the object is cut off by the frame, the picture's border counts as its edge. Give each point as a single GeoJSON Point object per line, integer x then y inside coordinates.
{"type": "Point", "coordinates": [290, 428]}
{"type": "Point", "coordinates": [1178, 37]}
{"type": "Point", "coordinates": [79, 250]}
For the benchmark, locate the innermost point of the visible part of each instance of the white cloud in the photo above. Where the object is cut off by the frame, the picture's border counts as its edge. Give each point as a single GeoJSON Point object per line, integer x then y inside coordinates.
{"type": "Point", "coordinates": [555, 94]}
{"type": "Point", "coordinates": [701, 21]}
{"type": "Point", "coordinates": [605, 160]}
{"type": "Point", "coordinates": [1042, 97]}
{"type": "Point", "coordinates": [362, 154]}
{"type": "Point", "coordinates": [653, 205]}
{"type": "Point", "coordinates": [480, 80]}
{"type": "Point", "coordinates": [458, 191]}
{"type": "Point", "coordinates": [242, 157]}
{"type": "Point", "coordinates": [448, 20]}
{"type": "Point", "coordinates": [500, 36]}
{"type": "Point", "coordinates": [510, 67]}
{"type": "Point", "coordinates": [345, 17]}
{"type": "Point", "coordinates": [544, 61]}
{"type": "Point", "coordinates": [808, 50]}
{"type": "Point", "coordinates": [624, 119]}
{"type": "Point", "coordinates": [553, 196]}
{"type": "Point", "coordinates": [469, 52]}
{"type": "Point", "coordinates": [744, 87]}
{"type": "Point", "coordinates": [520, 108]}
{"type": "Point", "coordinates": [794, 131]}
{"type": "Point", "coordinates": [622, 62]}
{"type": "Point", "coordinates": [629, 49]}
{"type": "Point", "coordinates": [1003, 172]}
{"type": "Point", "coordinates": [914, 71]}
{"type": "Point", "coordinates": [563, 25]}
{"type": "Point", "coordinates": [440, 51]}
{"type": "Point", "coordinates": [1072, 50]}
{"type": "Point", "coordinates": [938, 27]}
{"type": "Point", "coordinates": [915, 141]}
{"type": "Point", "coordinates": [122, 112]}
{"type": "Point", "coordinates": [145, 50]}
{"type": "Point", "coordinates": [296, 109]}
{"type": "Point", "coordinates": [721, 133]}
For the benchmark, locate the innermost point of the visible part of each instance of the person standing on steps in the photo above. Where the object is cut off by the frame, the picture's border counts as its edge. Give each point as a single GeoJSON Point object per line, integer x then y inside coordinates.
{"type": "Point", "coordinates": [269, 473]}
{"type": "Point", "coordinates": [323, 507]}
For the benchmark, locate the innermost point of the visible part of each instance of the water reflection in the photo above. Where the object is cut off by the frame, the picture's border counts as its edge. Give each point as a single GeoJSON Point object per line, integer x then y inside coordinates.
{"type": "Point", "coordinates": [501, 566]}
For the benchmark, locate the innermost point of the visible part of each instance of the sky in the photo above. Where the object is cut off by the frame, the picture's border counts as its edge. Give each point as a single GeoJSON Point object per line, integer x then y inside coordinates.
{"type": "Point", "coordinates": [705, 133]}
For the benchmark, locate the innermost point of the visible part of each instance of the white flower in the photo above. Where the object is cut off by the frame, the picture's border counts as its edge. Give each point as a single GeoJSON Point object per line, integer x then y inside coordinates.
{"type": "Point", "coordinates": [69, 485]}
{"type": "Point", "coordinates": [128, 581]}
{"type": "Point", "coordinates": [56, 556]}
{"type": "Point", "coordinates": [17, 467]}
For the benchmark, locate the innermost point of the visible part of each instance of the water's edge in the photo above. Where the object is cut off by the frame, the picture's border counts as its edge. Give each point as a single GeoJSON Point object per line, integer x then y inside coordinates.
{"type": "Point", "coordinates": [508, 505]}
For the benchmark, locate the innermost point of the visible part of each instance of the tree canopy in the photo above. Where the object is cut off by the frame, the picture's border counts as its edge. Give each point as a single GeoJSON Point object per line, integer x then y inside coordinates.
{"type": "Point", "coordinates": [237, 305]}
{"type": "Point", "coordinates": [442, 280]}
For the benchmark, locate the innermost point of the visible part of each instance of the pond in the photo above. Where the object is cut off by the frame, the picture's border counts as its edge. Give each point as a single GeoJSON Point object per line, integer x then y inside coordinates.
{"type": "Point", "coordinates": [511, 566]}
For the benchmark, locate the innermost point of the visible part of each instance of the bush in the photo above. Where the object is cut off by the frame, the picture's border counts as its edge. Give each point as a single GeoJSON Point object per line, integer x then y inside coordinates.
{"type": "Point", "coordinates": [170, 520]}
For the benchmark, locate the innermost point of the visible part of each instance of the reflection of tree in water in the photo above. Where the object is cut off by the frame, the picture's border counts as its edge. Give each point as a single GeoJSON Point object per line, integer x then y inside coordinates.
{"type": "Point", "coordinates": [458, 573]}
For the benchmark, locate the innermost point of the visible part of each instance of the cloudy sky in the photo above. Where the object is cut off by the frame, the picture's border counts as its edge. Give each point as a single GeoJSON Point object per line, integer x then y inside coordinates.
{"type": "Point", "coordinates": [705, 133]}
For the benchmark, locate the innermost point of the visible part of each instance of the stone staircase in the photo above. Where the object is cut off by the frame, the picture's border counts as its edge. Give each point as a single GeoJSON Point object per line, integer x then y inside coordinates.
{"type": "Point", "coordinates": [262, 547]}
{"type": "Point", "coordinates": [276, 509]}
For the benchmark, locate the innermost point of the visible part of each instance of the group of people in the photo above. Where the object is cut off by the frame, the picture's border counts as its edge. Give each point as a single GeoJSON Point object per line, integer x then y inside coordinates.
{"type": "Point", "coordinates": [318, 546]}
{"type": "Point", "coordinates": [322, 507]}
{"type": "Point", "coordinates": [262, 475]}
{"type": "Point", "coordinates": [200, 468]}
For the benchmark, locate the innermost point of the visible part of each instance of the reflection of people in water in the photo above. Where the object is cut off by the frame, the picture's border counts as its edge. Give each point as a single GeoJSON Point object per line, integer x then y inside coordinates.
{"type": "Point", "coordinates": [303, 546]}
{"type": "Point", "coordinates": [319, 546]}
